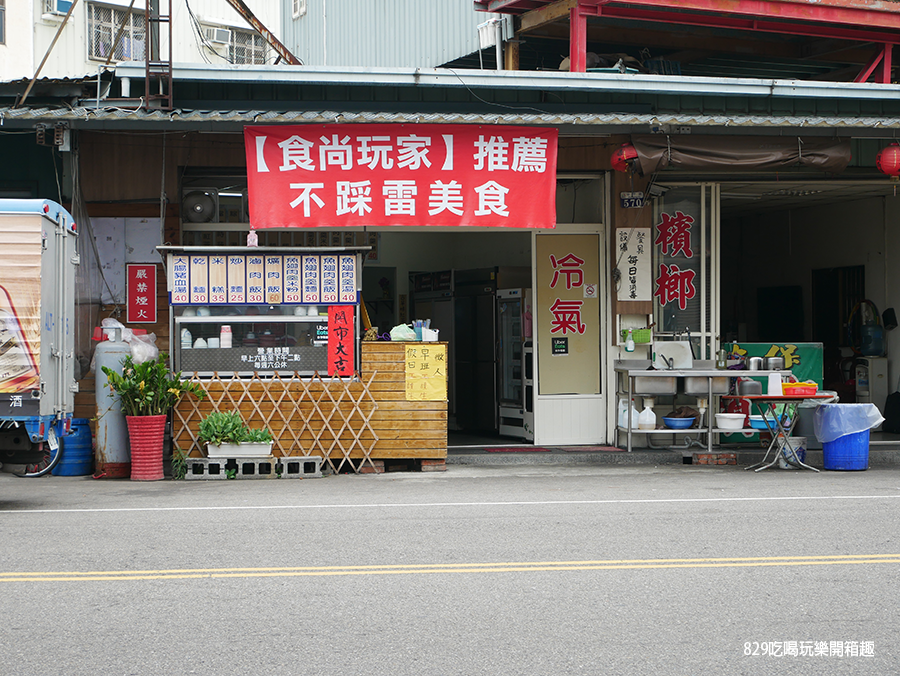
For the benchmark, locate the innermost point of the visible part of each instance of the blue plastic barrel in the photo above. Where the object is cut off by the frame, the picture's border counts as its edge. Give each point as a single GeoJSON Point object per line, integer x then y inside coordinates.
{"type": "Point", "coordinates": [77, 452]}
{"type": "Point", "coordinates": [849, 452]}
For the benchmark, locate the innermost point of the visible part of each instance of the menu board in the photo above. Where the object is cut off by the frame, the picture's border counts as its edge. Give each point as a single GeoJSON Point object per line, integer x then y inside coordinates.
{"type": "Point", "coordinates": [256, 279]}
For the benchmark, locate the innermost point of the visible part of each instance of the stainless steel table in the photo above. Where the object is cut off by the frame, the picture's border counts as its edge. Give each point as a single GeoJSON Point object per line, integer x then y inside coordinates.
{"type": "Point", "coordinates": [632, 369]}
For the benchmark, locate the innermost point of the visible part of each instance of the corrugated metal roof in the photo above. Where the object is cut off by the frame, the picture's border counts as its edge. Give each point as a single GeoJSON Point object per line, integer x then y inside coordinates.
{"type": "Point", "coordinates": [586, 123]}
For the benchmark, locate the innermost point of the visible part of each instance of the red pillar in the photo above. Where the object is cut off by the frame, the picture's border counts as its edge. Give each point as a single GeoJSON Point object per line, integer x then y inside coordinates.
{"type": "Point", "coordinates": [577, 40]}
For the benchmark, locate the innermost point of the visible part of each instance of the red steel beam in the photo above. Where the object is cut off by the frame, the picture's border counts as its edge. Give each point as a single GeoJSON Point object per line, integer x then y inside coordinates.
{"type": "Point", "coordinates": [859, 34]}
{"type": "Point", "coordinates": [577, 40]}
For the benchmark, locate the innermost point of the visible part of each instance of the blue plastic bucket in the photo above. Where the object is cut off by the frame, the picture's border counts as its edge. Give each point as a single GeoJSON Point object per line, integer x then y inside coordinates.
{"type": "Point", "coordinates": [77, 452]}
{"type": "Point", "coordinates": [849, 452]}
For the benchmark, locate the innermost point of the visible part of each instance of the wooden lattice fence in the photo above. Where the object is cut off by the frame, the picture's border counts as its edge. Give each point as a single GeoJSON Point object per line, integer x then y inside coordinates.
{"type": "Point", "coordinates": [327, 417]}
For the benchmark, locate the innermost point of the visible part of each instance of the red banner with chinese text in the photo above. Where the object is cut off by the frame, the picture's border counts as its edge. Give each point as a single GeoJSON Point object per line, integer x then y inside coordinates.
{"type": "Point", "coordinates": [341, 339]}
{"type": "Point", "coordinates": [338, 175]}
{"type": "Point", "coordinates": [141, 293]}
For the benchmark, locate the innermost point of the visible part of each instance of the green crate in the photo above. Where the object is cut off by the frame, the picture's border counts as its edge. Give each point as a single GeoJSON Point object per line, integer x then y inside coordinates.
{"type": "Point", "coordinates": [639, 335]}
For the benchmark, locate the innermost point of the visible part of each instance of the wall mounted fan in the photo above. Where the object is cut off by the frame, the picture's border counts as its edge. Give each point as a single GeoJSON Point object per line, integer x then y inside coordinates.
{"type": "Point", "coordinates": [199, 206]}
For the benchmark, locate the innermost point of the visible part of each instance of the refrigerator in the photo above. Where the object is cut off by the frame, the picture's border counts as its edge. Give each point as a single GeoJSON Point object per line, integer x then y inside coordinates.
{"type": "Point", "coordinates": [515, 412]}
{"type": "Point", "coordinates": [475, 362]}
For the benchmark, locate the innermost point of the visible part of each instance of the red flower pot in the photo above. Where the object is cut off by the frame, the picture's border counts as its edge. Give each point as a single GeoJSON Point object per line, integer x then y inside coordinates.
{"type": "Point", "coordinates": [145, 434]}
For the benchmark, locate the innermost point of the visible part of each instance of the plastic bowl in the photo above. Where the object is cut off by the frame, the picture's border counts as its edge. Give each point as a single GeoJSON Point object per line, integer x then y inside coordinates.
{"type": "Point", "coordinates": [678, 423]}
{"type": "Point", "coordinates": [730, 421]}
{"type": "Point", "coordinates": [757, 422]}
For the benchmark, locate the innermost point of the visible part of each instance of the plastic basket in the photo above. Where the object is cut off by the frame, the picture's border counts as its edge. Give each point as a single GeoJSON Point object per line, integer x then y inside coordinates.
{"type": "Point", "coordinates": [799, 389]}
{"type": "Point", "coordinates": [638, 335]}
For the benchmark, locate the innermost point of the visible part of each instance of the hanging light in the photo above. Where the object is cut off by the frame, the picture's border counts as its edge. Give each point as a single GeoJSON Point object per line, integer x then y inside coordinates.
{"type": "Point", "coordinates": [623, 158]}
{"type": "Point", "coordinates": [888, 160]}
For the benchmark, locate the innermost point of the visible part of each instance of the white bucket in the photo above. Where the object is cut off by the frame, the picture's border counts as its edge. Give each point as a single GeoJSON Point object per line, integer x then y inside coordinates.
{"type": "Point", "coordinates": [799, 446]}
{"type": "Point", "coordinates": [430, 335]}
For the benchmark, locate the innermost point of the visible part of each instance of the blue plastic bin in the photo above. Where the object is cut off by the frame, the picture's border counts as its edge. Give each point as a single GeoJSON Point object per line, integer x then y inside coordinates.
{"type": "Point", "coordinates": [77, 451]}
{"type": "Point", "coordinates": [849, 452]}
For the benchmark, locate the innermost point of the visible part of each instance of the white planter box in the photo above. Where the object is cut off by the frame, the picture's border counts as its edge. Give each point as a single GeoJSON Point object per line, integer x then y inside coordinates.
{"type": "Point", "coordinates": [247, 449]}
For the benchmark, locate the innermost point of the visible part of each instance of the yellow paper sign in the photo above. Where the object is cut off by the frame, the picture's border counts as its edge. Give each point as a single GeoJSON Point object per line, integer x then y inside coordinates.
{"type": "Point", "coordinates": [426, 372]}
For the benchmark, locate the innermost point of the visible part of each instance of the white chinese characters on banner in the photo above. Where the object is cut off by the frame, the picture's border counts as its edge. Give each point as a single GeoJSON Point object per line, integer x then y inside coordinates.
{"type": "Point", "coordinates": [400, 175]}
{"type": "Point", "coordinates": [635, 264]}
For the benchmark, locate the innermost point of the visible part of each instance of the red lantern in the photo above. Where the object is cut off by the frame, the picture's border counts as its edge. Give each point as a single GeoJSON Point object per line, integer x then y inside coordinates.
{"type": "Point", "coordinates": [888, 160]}
{"type": "Point", "coordinates": [623, 157]}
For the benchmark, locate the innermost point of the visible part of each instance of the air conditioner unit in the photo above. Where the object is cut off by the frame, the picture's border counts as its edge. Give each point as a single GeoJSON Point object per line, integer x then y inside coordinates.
{"type": "Point", "coordinates": [220, 35]}
{"type": "Point", "coordinates": [53, 10]}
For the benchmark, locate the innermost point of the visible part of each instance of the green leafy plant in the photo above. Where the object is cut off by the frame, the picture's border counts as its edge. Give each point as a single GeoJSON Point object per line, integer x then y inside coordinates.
{"type": "Point", "coordinates": [222, 427]}
{"type": "Point", "coordinates": [149, 388]}
{"type": "Point", "coordinates": [179, 464]}
{"type": "Point", "coordinates": [259, 436]}
{"type": "Point", "coordinates": [230, 473]}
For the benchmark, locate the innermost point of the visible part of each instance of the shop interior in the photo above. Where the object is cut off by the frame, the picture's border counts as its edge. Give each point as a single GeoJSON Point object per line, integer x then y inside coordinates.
{"type": "Point", "coordinates": [808, 261]}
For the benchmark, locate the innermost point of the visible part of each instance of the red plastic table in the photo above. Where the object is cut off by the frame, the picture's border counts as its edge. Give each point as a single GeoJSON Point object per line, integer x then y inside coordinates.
{"type": "Point", "coordinates": [766, 404]}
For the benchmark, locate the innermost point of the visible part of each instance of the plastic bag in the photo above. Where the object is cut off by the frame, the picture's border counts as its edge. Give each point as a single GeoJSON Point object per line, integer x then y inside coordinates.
{"type": "Point", "coordinates": [833, 421]}
{"type": "Point", "coordinates": [403, 332]}
{"type": "Point", "coordinates": [109, 325]}
{"type": "Point", "coordinates": [143, 348]}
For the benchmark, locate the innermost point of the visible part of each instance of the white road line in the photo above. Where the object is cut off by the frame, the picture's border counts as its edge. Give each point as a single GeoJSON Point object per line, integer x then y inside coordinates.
{"type": "Point", "coordinates": [405, 505]}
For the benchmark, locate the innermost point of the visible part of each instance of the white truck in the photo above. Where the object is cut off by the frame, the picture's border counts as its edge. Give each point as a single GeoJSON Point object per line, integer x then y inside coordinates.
{"type": "Point", "coordinates": [37, 328]}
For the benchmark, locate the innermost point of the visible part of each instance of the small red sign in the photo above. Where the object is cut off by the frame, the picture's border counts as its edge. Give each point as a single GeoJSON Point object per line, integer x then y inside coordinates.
{"type": "Point", "coordinates": [141, 286]}
{"type": "Point", "coordinates": [341, 339]}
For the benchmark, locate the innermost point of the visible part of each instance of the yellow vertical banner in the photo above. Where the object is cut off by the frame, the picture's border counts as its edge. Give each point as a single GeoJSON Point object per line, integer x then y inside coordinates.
{"type": "Point", "coordinates": [426, 372]}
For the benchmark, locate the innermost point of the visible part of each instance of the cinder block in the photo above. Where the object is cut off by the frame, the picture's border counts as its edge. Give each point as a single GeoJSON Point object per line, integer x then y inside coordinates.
{"type": "Point", "coordinates": [269, 467]}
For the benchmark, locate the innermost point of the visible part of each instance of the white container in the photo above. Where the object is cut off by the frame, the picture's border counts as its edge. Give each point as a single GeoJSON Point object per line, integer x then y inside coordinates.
{"type": "Point", "coordinates": [430, 335]}
{"type": "Point", "coordinates": [245, 449]}
{"type": "Point", "coordinates": [774, 386]}
{"type": "Point", "coordinates": [647, 419]}
{"type": "Point", "coordinates": [213, 342]}
{"type": "Point", "coordinates": [623, 415]}
{"type": "Point", "coordinates": [730, 421]}
{"type": "Point", "coordinates": [225, 336]}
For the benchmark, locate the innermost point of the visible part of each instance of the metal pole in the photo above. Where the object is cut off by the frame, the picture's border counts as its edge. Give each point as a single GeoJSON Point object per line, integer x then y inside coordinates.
{"type": "Point", "coordinates": [47, 55]}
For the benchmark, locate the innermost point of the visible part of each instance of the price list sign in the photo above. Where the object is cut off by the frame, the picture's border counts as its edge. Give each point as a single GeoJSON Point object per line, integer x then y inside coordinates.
{"type": "Point", "coordinates": [256, 279]}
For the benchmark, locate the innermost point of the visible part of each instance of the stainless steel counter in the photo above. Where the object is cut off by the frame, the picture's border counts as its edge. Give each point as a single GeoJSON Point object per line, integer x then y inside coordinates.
{"type": "Point", "coordinates": [703, 381]}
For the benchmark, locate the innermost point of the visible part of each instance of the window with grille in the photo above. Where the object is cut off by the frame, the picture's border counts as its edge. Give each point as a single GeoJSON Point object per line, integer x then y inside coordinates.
{"type": "Point", "coordinates": [298, 8]}
{"type": "Point", "coordinates": [103, 28]}
{"type": "Point", "coordinates": [247, 47]}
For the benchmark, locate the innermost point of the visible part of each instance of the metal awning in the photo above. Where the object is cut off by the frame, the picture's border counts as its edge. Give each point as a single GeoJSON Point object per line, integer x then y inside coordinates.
{"type": "Point", "coordinates": [584, 124]}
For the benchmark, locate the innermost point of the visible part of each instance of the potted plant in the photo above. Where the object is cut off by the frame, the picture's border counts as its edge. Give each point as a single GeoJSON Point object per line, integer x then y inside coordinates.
{"type": "Point", "coordinates": [147, 391]}
{"type": "Point", "coordinates": [227, 436]}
